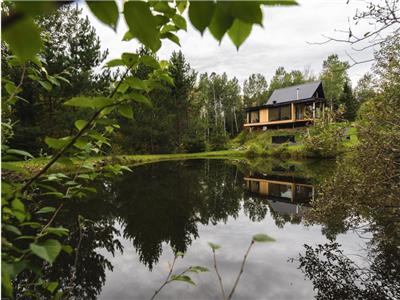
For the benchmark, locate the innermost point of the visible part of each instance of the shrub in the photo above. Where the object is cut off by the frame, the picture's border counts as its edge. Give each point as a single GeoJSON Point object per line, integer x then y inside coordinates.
{"type": "Point", "coordinates": [193, 144]}
{"type": "Point", "coordinates": [324, 140]}
{"type": "Point", "coordinates": [254, 150]}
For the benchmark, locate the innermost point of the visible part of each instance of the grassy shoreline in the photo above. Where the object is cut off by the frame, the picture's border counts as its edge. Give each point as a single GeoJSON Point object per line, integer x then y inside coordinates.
{"type": "Point", "coordinates": [33, 165]}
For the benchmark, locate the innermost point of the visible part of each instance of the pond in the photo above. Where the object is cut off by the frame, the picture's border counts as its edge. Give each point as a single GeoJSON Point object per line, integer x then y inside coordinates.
{"type": "Point", "coordinates": [138, 221]}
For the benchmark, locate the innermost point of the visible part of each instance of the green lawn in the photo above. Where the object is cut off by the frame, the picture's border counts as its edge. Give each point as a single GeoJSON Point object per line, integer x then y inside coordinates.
{"type": "Point", "coordinates": [33, 165]}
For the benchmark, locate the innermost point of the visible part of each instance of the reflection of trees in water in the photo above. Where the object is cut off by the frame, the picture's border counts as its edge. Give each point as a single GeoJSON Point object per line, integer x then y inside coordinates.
{"type": "Point", "coordinates": [335, 276]}
{"type": "Point", "coordinates": [89, 277]}
{"type": "Point", "coordinates": [180, 195]}
{"type": "Point", "coordinates": [156, 204]}
{"type": "Point", "coordinates": [357, 198]}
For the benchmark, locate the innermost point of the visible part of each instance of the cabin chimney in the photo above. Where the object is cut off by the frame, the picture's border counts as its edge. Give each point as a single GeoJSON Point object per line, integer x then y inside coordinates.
{"type": "Point", "coordinates": [297, 94]}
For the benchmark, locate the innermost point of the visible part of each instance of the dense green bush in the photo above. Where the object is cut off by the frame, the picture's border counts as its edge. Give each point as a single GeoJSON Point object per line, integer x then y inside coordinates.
{"type": "Point", "coordinates": [194, 142]}
{"type": "Point", "coordinates": [325, 140]}
{"type": "Point", "coordinates": [254, 150]}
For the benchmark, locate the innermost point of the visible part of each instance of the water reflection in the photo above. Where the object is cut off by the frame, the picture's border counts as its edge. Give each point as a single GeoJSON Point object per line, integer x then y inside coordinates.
{"type": "Point", "coordinates": [145, 216]}
{"type": "Point", "coordinates": [285, 195]}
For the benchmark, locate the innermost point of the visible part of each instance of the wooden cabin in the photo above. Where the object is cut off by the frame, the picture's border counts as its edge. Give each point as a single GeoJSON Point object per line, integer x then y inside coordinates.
{"type": "Point", "coordinates": [292, 106]}
{"type": "Point", "coordinates": [279, 189]}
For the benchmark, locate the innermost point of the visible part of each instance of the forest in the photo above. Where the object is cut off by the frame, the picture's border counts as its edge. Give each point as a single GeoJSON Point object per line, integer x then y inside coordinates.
{"type": "Point", "coordinates": [199, 112]}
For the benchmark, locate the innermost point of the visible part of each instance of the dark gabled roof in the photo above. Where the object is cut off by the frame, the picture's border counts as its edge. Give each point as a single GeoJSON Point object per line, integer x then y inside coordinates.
{"type": "Point", "coordinates": [289, 94]}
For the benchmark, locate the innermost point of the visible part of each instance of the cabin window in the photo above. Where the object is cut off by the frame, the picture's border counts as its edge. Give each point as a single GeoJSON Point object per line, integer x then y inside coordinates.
{"type": "Point", "coordinates": [303, 193]}
{"type": "Point", "coordinates": [279, 113]}
{"type": "Point", "coordinates": [285, 113]}
{"type": "Point", "coordinates": [273, 114]}
{"type": "Point", "coordinates": [299, 112]}
{"type": "Point", "coordinates": [280, 190]}
{"type": "Point", "coordinates": [255, 117]}
{"type": "Point", "coordinates": [254, 186]}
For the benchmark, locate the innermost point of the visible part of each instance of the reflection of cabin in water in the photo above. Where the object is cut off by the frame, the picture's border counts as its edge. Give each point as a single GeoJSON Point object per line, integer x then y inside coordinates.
{"type": "Point", "coordinates": [285, 194]}
{"type": "Point", "coordinates": [288, 107]}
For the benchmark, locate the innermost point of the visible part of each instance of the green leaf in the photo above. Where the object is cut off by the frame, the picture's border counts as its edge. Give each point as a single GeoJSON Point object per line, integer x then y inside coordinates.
{"type": "Point", "coordinates": [19, 152]}
{"type": "Point", "coordinates": [163, 7]}
{"type": "Point", "coordinates": [181, 5]}
{"type": "Point", "coordinates": [179, 254]}
{"type": "Point", "coordinates": [59, 231]}
{"type": "Point", "coordinates": [57, 143]}
{"type": "Point", "coordinates": [172, 37]}
{"type": "Point", "coordinates": [167, 79]}
{"type": "Point", "coordinates": [45, 210]}
{"type": "Point", "coordinates": [10, 88]}
{"type": "Point", "coordinates": [6, 284]}
{"type": "Point", "coordinates": [239, 32]}
{"type": "Point", "coordinates": [179, 22]}
{"type": "Point", "coordinates": [262, 238]}
{"type": "Point", "coordinates": [115, 63]}
{"type": "Point", "coordinates": [50, 286]}
{"type": "Point", "coordinates": [220, 22]}
{"type": "Point", "coordinates": [47, 86]}
{"type": "Point", "coordinates": [12, 167]}
{"type": "Point", "coordinates": [79, 124]}
{"type": "Point", "coordinates": [142, 24]}
{"type": "Point", "coordinates": [35, 7]}
{"type": "Point", "coordinates": [23, 37]}
{"type": "Point", "coordinates": [105, 11]}
{"type": "Point", "coordinates": [47, 250]}
{"type": "Point", "coordinates": [279, 2]}
{"type": "Point", "coordinates": [136, 83]}
{"type": "Point", "coordinates": [82, 143]}
{"type": "Point", "coordinates": [138, 98]}
{"type": "Point", "coordinates": [247, 11]}
{"type": "Point", "coordinates": [183, 278]}
{"type": "Point", "coordinates": [67, 248]}
{"type": "Point", "coordinates": [18, 205]}
{"type": "Point", "coordinates": [12, 229]}
{"type": "Point", "coordinates": [214, 246]}
{"type": "Point", "coordinates": [168, 28]}
{"type": "Point", "coordinates": [90, 102]}
{"type": "Point", "coordinates": [149, 61]}
{"type": "Point", "coordinates": [201, 13]}
{"type": "Point", "coordinates": [65, 161]}
{"type": "Point", "coordinates": [126, 111]}
{"type": "Point", "coordinates": [197, 269]}
{"type": "Point", "coordinates": [53, 80]}
{"type": "Point", "coordinates": [130, 58]}
{"type": "Point", "coordinates": [128, 36]}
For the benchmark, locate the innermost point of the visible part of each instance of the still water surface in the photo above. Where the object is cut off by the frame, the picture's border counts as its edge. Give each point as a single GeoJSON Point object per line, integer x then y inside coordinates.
{"type": "Point", "coordinates": [183, 205]}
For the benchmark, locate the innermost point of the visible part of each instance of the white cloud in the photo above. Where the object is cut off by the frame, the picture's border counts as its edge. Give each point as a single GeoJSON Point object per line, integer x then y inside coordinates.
{"type": "Point", "coordinates": [282, 42]}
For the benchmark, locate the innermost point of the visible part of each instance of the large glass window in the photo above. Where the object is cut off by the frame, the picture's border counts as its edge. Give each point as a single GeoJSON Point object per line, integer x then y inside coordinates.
{"type": "Point", "coordinates": [286, 113]}
{"type": "Point", "coordinates": [299, 112]}
{"type": "Point", "coordinates": [303, 193]}
{"type": "Point", "coordinates": [255, 117]}
{"type": "Point", "coordinates": [279, 113]}
{"type": "Point", "coordinates": [280, 190]}
{"type": "Point", "coordinates": [273, 114]}
{"type": "Point", "coordinates": [254, 186]}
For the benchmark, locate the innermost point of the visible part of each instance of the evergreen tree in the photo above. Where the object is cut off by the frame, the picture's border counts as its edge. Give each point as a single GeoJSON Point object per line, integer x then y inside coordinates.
{"type": "Point", "coordinates": [71, 48]}
{"type": "Point", "coordinates": [334, 77]}
{"type": "Point", "coordinates": [255, 90]}
{"type": "Point", "coordinates": [348, 100]}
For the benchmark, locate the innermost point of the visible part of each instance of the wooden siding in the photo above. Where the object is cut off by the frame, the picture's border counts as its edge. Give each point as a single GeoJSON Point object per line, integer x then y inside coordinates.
{"type": "Point", "coordinates": [263, 115]}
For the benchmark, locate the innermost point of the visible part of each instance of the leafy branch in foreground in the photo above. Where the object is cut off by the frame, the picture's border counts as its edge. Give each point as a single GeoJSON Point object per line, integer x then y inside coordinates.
{"type": "Point", "coordinates": [259, 238]}
{"type": "Point", "coordinates": [182, 276]}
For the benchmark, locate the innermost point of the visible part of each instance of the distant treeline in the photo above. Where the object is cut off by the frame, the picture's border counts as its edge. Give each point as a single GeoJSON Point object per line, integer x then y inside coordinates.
{"type": "Point", "coordinates": [200, 112]}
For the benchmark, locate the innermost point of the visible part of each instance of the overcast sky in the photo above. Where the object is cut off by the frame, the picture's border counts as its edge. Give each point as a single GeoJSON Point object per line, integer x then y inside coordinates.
{"type": "Point", "coordinates": [284, 41]}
